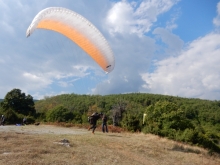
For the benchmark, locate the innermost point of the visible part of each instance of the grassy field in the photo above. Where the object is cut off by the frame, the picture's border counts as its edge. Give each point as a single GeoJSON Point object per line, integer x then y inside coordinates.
{"type": "Point", "coordinates": [44, 145]}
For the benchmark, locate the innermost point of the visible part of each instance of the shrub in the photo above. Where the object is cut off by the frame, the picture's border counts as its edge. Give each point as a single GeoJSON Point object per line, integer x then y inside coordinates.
{"type": "Point", "coordinates": [187, 135]}
{"type": "Point", "coordinates": [77, 118]}
{"type": "Point", "coordinates": [11, 117]}
{"type": "Point", "coordinates": [84, 118]}
{"type": "Point", "coordinates": [59, 114]}
{"type": "Point", "coordinates": [131, 122]}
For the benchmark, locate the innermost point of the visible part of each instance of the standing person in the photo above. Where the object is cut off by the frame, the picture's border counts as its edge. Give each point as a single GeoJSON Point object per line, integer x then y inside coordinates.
{"type": "Point", "coordinates": [104, 124]}
{"type": "Point", "coordinates": [3, 120]}
{"type": "Point", "coordinates": [93, 120]}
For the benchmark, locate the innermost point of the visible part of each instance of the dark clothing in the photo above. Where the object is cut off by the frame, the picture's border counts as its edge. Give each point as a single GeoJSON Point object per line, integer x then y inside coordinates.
{"type": "Point", "coordinates": [104, 119]}
{"type": "Point", "coordinates": [93, 127]}
{"type": "Point", "coordinates": [104, 128]}
{"type": "Point", "coordinates": [104, 124]}
{"type": "Point", "coordinates": [93, 121]}
{"type": "Point", "coordinates": [2, 120]}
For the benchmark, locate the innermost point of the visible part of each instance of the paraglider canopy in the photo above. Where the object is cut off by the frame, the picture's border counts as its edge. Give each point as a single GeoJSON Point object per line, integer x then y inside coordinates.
{"type": "Point", "coordinates": [79, 30]}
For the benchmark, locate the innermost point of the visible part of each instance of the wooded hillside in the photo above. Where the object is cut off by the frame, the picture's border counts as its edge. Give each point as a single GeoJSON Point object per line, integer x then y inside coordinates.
{"type": "Point", "coordinates": [189, 120]}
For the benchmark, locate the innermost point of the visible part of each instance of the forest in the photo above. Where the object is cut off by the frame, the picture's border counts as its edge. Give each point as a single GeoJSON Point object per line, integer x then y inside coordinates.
{"type": "Point", "coordinates": [188, 120]}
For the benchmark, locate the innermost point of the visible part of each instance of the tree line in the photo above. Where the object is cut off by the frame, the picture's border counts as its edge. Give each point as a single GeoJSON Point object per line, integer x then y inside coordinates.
{"type": "Point", "coordinates": [189, 120]}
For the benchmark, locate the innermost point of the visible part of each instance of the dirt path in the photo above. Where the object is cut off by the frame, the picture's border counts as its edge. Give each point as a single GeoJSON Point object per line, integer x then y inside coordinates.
{"type": "Point", "coordinates": [42, 129]}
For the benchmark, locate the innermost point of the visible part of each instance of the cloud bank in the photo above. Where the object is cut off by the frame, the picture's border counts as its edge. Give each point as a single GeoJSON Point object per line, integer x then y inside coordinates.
{"type": "Point", "coordinates": [193, 73]}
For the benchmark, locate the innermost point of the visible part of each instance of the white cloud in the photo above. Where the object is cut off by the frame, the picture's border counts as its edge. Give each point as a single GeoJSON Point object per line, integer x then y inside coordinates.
{"type": "Point", "coordinates": [216, 20]}
{"type": "Point", "coordinates": [120, 17]}
{"type": "Point", "coordinates": [194, 73]}
{"type": "Point", "coordinates": [125, 17]}
{"type": "Point", "coordinates": [65, 83]}
{"type": "Point", "coordinates": [170, 25]}
{"type": "Point", "coordinates": [133, 56]}
{"type": "Point", "coordinates": [34, 82]}
{"type": "Point", "coordinates": [173, 42]}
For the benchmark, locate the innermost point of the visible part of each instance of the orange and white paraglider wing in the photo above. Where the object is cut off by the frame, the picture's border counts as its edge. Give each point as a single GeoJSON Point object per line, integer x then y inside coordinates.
{"type": "Point", "coordinates": [79, 30]}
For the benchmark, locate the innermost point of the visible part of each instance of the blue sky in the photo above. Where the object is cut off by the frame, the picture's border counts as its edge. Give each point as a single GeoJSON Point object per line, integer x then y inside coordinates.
{"type": "Point", "coordinates": [169, 47]}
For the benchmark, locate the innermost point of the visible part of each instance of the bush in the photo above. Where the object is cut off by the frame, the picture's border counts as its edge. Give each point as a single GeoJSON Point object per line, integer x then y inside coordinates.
{"type": "Point", "coordinates": [77, 118]}
{"type": "Point", "coordinates": [41, 116]}
{"type": "Point", "coordinates": [59, 114]}
{"type": "Point", "coordinates": [84, 119]}
{"type": "Point", "coordinates": [11, 117]}
{"type": "Point", "coordinates": [30, 119]}
{"type": "Point", "coordinates": [187, 135]}
{"type": "Point", "coordinates": [131, 122]}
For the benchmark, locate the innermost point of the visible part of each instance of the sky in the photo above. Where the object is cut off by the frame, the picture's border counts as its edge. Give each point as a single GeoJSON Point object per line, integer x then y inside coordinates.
{"type": "Point", "coordinates": [168, 47]}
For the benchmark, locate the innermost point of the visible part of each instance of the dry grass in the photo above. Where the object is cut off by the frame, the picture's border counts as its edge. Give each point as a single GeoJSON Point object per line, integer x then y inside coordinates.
{"type": "Point", "coordinates": [111, 128]}
{"type": "Point", "coordinates": [24, 147]}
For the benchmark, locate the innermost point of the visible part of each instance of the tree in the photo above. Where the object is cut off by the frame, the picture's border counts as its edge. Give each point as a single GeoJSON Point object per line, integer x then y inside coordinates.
{"type": "Point", "coordinates": [131, 122]}
{"type": "Point", "coordinates": [166, 119]}
{"type": "Point", "coordinates": [19, 103]}
{"type": "Point", "coordinates": [59, 114]}
{"type": "Point", "coordinates": [117, 111]}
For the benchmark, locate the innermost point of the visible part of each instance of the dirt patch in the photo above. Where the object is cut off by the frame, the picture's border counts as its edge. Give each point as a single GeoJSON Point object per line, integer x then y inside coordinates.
{"type": "Point", "coordinates": [42, 129]}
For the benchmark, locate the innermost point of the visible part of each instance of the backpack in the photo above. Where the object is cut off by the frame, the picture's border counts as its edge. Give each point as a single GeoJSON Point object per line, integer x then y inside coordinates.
{"type": "Point", "coordinates": [90, 119]}
{"type": "Point", "coordinates": [93, 117]}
